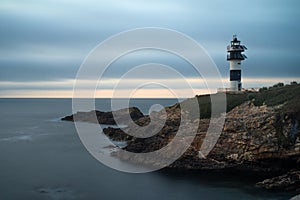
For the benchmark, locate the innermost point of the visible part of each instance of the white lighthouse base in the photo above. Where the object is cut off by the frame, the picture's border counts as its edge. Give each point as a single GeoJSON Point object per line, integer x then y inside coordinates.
{"type": "Point", "coordinates": [235, 86]}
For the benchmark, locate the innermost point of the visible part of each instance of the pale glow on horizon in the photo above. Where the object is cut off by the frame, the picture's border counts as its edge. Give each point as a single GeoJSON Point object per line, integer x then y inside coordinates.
{"type": "Point", "coordinates": [64, 88]}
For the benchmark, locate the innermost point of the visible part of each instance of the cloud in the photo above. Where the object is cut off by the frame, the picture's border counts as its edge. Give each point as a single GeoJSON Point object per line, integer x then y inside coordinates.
{"type": "Point", "coordinates": [155, 88]}
{"type": "Point", "coordinates": [46, 41]}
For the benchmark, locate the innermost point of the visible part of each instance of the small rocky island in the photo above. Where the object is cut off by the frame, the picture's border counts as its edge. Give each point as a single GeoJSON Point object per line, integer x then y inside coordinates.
{"type": "Point", "coordinates": [261, 134]}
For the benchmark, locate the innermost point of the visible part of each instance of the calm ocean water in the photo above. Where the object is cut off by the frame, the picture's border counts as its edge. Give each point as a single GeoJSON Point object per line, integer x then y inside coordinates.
{"type": "Point", "coordinates": [42, 157]}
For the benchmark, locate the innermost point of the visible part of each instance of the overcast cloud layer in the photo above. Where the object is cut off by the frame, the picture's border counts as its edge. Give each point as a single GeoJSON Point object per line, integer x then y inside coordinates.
{"type": "Point", "coordinates": [48, 40]}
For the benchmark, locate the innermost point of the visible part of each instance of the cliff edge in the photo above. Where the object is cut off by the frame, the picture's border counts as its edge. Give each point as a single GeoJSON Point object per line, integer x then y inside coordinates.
{"type": "Point", "coordinates": [261, 133]}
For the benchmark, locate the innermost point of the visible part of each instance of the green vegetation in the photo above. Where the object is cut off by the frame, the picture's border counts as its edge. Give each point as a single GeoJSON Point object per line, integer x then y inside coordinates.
{"type": "Point", "coordinates": [277, 95]}
{"type": "Point", "coordinates": [288, 95]}
{"type": "Point", "coordinates": [204, 101]}
{"type": "Point", "coordinates": [294, 83]}
{"type": "Point", "coordinates": [278, 85]}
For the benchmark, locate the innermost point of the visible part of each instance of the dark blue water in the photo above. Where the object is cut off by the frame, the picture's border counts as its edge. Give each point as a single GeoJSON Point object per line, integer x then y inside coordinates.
{"type": "Point", "coordinates": [42, 157]}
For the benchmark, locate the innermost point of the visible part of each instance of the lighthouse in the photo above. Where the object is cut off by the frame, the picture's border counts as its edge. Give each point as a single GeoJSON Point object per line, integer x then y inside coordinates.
{"type": "Point", "coordinates": [235, 56]}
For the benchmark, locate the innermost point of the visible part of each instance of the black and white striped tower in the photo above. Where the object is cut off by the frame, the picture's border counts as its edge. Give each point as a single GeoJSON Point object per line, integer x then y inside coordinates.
{"type": "Point", "coordinates": [235, 57]}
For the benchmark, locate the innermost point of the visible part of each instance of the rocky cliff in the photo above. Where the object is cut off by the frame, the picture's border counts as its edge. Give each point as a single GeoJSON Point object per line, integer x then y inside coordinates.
{"type": "Point", "coordinates": [261, 133]}
{"type": "Point", "coordinates": [254, 138]}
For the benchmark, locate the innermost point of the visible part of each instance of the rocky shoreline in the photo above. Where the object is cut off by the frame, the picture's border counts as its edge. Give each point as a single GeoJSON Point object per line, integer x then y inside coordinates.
{"type": "Point", "coordinates": [262, 139]}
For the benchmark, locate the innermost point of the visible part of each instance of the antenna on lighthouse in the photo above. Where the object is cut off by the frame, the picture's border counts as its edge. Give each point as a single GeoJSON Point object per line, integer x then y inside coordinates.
{"type": "Point", "coordinates": [235, 56]}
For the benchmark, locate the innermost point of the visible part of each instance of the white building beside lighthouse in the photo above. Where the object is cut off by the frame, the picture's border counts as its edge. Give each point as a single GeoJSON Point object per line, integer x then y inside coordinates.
{"type": "Point", "coordinates": [235, 57]}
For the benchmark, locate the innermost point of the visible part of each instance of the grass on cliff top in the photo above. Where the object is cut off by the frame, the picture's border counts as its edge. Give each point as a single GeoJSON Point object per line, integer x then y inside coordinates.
{"type": "Point", "coordinates": [289, 95]}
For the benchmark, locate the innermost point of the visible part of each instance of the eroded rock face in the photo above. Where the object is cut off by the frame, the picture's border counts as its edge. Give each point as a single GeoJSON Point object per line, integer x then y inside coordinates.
{"type": "Point", "coordinates": [251, 134]}
{"type": "Point", "coordinates": [252, 139]}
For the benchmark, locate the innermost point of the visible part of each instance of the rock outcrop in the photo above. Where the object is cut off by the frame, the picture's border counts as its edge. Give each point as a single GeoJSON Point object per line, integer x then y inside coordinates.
{"type": "Point", "coordinates": [254, 138]}
{"type": "Point", "coordinates": [250, 135]}
{"type": "Point", "coordinates": [289, 181]}
{"type": "Point", "coordinates": [100, 117]}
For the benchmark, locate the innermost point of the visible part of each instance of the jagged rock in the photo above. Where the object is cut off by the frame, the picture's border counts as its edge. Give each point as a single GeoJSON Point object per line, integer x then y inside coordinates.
{"type": "Point", "coordinates": [116, 134]}
{"type": "Point", "coordinates": [289, 181]}
{"type": "Point", "coordinates": [249, 135]}
{"type": "Point", "coordinates": [250, 140]}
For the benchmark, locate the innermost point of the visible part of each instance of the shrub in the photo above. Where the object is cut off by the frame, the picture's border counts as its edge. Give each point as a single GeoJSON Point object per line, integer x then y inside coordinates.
{"type": "Point", "coordinates": [263, 89]}
{"type": "Point", "coordinates": [278, 85]}
{"type": "Point", "coordinates": [294, 83]}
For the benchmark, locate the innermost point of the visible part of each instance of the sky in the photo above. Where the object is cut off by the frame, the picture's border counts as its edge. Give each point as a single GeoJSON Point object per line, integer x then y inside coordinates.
{"type": "Point", "coordinates": [43, 43]}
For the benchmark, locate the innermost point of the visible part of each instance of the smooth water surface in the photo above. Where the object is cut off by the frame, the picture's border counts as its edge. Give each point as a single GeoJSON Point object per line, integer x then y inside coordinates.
{"type": "Point", "coordinates": [42, 157]}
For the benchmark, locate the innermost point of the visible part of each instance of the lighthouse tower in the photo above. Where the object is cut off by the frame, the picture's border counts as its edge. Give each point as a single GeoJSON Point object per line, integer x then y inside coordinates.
{"type": "Point", "coordinates": [235, 57]}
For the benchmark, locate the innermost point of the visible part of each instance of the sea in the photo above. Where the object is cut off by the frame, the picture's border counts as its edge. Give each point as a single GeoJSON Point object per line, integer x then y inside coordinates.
{"type": "Point", "coordinates": [42, 157]}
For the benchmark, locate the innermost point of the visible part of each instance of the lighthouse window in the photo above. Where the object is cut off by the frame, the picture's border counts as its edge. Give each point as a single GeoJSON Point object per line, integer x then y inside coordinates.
{"type": "Point", "coordinates": [239, 63]}
{"type": "Point", "coordinates": [235, 75]}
